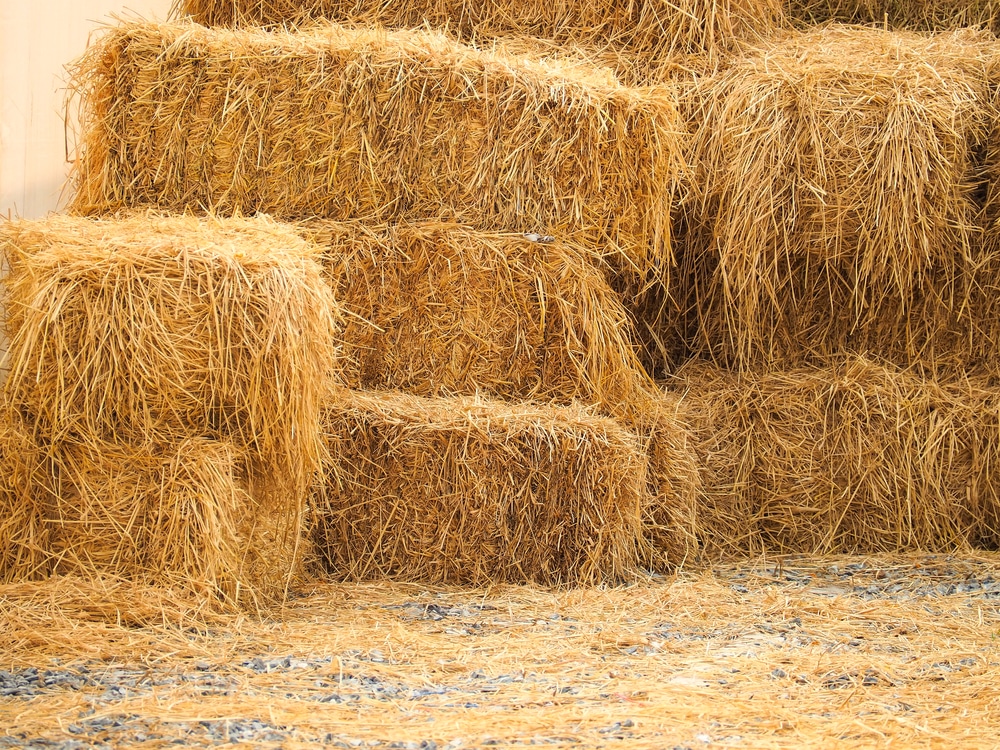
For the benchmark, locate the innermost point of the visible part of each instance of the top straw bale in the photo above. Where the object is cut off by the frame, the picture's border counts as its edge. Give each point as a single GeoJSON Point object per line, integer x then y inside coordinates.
{"type": "Point", "coordinates": [147, 329]}
{"type": "Point", "coordinates": [918, 15]}
{"type": "Point", "coordinates": [365, 124]}
{"type": "Point", "coordinates": [838, 211]}
{"type": "Point", "coordinates": [654, 29]}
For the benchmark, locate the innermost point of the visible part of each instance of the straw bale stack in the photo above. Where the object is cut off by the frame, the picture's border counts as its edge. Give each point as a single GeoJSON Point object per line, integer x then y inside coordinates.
{"type": "Point", "coordinates": [474, 492]}
{"type": "Point", "coordinates": [148, 330]}
{"type": "Point", "coordinates": [437, 309]}
{"type": "Point", "coordinates": [839, 212]}
{"type": "Point", "coordinates": [652, 29]}
{"type": "Point", "coordinates": [918, 15]}
{"type": "Point", "coordinates": [378, 126]}
{"type": "Point", "coordinates": [849, 457]}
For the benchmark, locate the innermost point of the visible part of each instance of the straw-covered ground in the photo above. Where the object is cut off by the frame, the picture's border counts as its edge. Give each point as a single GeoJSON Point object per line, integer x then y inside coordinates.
{"type": "Point", "coordinates": [831, 652]}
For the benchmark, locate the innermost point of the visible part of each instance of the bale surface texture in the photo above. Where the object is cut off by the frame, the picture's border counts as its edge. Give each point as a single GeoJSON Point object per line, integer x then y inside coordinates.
{"type": "Point", "coordinates": [918, 15]}
{"type": "Point", "coordinates": [379, 126]}
{"type": "Point", "coordinates": [149, 329]}
{"type": "Point", "coordinates": [839, 213]}
{"type": "Point", "coordinates": [443, 309]}
{"type": "Point", "coordinates": [850, 457]}
{"type": "Point", "coordinates": [475, 492]}
{"type": "Point", "coordinates": [651, 29]}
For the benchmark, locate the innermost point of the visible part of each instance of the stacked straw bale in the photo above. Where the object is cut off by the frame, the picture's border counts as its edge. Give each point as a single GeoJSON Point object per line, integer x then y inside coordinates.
{"type": "Point", "coordinates": [653, 30]}
{"type": "Point", "coordinates": [839, 210]}
{"type": "Point", "coordinates": [362, 124]}
{"type": "Point", "coordinates": [438, 309]}
{"type": "Point", "coordinates": [169, 374]}
{"type": "Point", "coordinates": [917, 15]}
{"type": "Point", "coordinates": [474, 492]}
{"type": "Point", "coordinates": [848, 457]}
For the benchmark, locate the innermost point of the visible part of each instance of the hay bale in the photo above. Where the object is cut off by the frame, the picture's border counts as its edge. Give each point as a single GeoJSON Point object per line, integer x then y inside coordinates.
{"type": "Point", "coordinates": [438, 309]}
{"type": "Point", "coordinates": [150, 329]}
{"type": "Point", "coordinates": [838, 212]}
{"type": "Point", "coordinates": [382, 126]}
{"type": "Point", "coordinates": [917, 15]}
{"type": "Point", "coordinates": [183, 516]}
{"type": "Point", "coordinates": [475, 492]}
{"type": "Point", "coordinates": [850, 457]}
{"type": "Point", "coordinates": [653, 29]}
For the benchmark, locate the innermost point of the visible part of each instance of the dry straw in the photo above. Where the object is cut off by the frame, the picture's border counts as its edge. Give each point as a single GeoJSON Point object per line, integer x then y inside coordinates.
{"type": "Point", "coordinates": [438, 309]}
{"type": "Point", "coordinates": [838, 210]}
{"type": "Point", "coordinates": [849, 457]}
{"type": "Point", "coordinates": [651, 30]}
{"type": "Point", "coordinates": [474, 492]}
{"type": "Point", "coordinates": [919, 15]}
{"type": "Point", "coordinates": [378, 126]}
{"type": "Point", "coordinates": [149, 330]}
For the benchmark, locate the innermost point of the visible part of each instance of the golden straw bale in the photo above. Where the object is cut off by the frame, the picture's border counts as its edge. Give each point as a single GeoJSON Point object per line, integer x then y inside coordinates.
{"type": "Point", "coordinates": [344, 124]}
{"type": "Point", "coordinates": [918, 15]}
{"type": "Point", "coordinates": [837, 212]}
{"type": "Point", "coordinates": [474, 492]}
{"type": "Point", "coordinates": [442, 309]}
{"type": "Point", "coordinates": [180, 516]}
{"type": "Point", "coordinates": [150, 329]}
{"type": "Point", "coordinates": [652, 29]}
{"type": "Point", "coordinates": [848, 457]}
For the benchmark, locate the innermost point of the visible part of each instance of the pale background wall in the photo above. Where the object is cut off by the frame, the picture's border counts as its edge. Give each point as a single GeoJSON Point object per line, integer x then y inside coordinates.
{"type": "Point", "coordinates": [37, 39]}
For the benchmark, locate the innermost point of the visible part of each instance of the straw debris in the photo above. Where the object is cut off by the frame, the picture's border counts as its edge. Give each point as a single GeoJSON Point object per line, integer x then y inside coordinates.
{"type": "Point", "coordinates": [378, 126]}
{"type": "Point", "coordinates": [474, 492]}
{"type": "Point", "coordinates": [917, 15]}
{"type": "Point", "coordinates": [848, 457]}
{"type": "Point", "coordinates": [839, 208]}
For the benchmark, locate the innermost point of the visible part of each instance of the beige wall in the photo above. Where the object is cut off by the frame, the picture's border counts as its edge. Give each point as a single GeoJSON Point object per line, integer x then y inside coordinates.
{"type": "Point", "coordinates": [37, 39]}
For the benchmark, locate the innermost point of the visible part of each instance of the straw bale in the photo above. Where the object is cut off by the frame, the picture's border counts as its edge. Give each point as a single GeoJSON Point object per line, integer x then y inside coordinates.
{"type": "Point", "coordinates": [442, 309]}
{"type": "Point", "coordinates": [344, 124]}
{"type": "Point", "coordinates": [475, 492]}
{"type": "Point", "coordinates": [918, 15]}
{"type": "Point", "coordinates": [652, 29]}
{"type": "Point", "coordinates": [849, 457]}
{"type": "Point", "coordinates": [184, 516]}
{"type": "Point", "coordinates": [839, 210]}
{"type": "Point", "coordinates": [149, 329]}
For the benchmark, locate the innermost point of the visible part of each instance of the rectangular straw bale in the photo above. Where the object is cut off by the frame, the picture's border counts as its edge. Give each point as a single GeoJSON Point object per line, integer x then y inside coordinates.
{"type": "Point", "coordinates": [149, 329]}
{"type": "Point", "coordinates": [437, 309]}
{"type": "Point", "coordinates": [476, 492]}
{"type": "Point", "coordinates": [917, 15]}
{"type": "Point", "coordinates": [185, 516]}
{"type": "Point", "coordinates": [849, 457]}
{"type": "Point", "coordinates": [838, 208]}
{"type": "Point", "coordinates": [653, 29]}
{"type": "Point", "coordinates": [345, 124]}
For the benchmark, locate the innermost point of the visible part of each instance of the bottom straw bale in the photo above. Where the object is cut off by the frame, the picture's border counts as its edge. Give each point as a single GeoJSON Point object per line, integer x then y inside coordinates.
{"type": "Point", "coordinates": [849, 457]}
{"type": "Point", "coordinates": [476, 492]}
{"type": "Point", "coordinates": [187, 517]}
